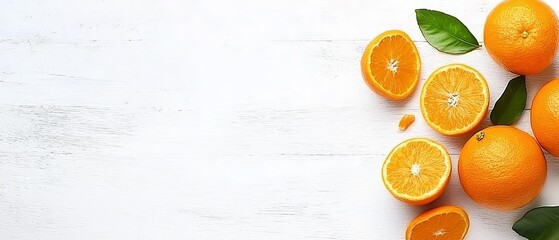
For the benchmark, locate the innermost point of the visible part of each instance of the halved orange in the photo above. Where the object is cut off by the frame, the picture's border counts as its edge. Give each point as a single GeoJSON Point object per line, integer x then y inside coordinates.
{"type": "Point", "coordinates": [454, 99]}
{"type": "Point", "coordinates": [417, 171]}
{"type": "Point", "coordinates": [444, 223]}
{"type": "Point", "coordinates": [390, 65]}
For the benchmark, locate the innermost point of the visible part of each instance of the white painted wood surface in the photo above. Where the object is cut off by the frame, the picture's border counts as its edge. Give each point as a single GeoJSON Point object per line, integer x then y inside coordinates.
{"type": "Point", "coordinates": [170, 119]}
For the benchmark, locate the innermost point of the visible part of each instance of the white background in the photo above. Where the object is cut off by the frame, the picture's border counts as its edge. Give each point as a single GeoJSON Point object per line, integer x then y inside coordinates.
{"type": "Point", "coordinates": [170, 119]}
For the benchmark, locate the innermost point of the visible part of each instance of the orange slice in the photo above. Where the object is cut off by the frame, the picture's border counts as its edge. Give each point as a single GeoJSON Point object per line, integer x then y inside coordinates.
{"type": "Point", "coordinates": [390, 65]}
{"type": "Point", "coordinates": [454, 99]}
{"type": "Point", "coordinates": [417, 171]}
{"type": "Point", "coordinates": [442, 223]}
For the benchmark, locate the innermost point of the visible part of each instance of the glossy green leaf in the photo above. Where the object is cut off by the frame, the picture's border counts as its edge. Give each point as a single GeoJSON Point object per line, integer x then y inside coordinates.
{"type": "Point", "coordinates": [445, 32]}
{"type": "Point", "coordinates": [539, 224]}
{"type": "Point", "coordinates": [511, 104]}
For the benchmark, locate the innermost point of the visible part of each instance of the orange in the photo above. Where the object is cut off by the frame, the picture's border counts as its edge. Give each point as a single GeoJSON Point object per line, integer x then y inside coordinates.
{"type": "Point", "coordinates": [522, 35]}
{"type": "Point", "coordinates": [390, 65]}
{"type": "Point", "coordinates": [454, 99]}
{"type": "Point", "coordinates": [544, 117]}
{"type": "Point", "coordinates": [406, 121]}
{"type": "Point", "coordinates": [502, 168]}
{"type": "Point", "coordinates": [442, 223]}
{"type": "Point", "coordinates": [417, 171]}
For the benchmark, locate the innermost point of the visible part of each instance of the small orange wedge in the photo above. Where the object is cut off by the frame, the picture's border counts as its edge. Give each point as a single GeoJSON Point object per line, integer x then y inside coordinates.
{"type": "Point", "coordinates": [406, 121]}
{"type": "Point", "coordinates": [442, 223]}
{"type": "Point", "coordinates": [390, 65]}
{"type": "Point", "coordinates": [417, 171]}
{"type": "Point", "coordinates": [454, 99]}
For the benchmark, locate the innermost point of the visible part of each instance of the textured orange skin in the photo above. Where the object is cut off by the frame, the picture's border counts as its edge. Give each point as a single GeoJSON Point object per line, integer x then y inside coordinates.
{"type": "Point", "coordinates": [505, 43]}
{"type": "Point", "coordinates": [505, 170]}
{"type": "Point", "coordinates": [544, 117]}
{"type": "Point", "coordinates": [425, 216]}
{"type": "Point", "coordinates": [366, 70]}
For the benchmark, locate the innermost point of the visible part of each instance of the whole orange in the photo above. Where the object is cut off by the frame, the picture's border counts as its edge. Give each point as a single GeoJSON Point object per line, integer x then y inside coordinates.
{"type": "Point", "coordinates": [522, 35]}
{"type": "Point", "coordinates": [544, 117]}
{"type": "Point", "coordinates": [502, 168]}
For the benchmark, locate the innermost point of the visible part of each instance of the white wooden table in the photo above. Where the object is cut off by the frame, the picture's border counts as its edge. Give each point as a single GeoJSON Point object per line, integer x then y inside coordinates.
{"type": "Point", "coordinates": [171, 119]}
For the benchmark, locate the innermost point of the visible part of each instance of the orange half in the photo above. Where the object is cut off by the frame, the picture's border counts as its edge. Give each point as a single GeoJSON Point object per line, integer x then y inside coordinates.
{"type": "Point", "coordinates": [390, 65]}
{"type": "Point", "coordinates": [417, 171]}
{"type": "Point", "coordinates": [442, 223]}
{"type": "Point", "coordinates": [454, 99]}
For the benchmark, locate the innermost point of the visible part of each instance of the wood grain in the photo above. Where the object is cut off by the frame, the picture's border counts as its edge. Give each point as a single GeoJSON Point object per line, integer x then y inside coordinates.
{"type": "Point", "coordinates": [216, 120]}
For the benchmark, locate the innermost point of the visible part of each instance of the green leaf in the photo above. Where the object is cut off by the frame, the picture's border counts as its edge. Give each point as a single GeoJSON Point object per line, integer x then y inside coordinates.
{"type": "Point", "coordinates": [511, 104]}
{"type": "Point", "coordinates": [445, 32]}
{"type": "Point", "coordinates": [540, 223]}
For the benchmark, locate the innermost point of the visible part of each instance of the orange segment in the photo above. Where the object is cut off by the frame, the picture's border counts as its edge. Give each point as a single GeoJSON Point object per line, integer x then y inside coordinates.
{"type": "Point", "coordinates": [454, 99]}
{"type": "Point", "coordinates": [390, 65]}
{"type": "Point", "coordinates": [417, 171]}
{"type": "Point", "coordinates": [406, 121]}
{"type": "Point", "coordinates": [442, 223]}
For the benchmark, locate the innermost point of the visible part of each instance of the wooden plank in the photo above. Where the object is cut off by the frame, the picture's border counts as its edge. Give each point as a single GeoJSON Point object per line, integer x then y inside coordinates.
{"type": "Point", "coordinates": [216, 120]}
